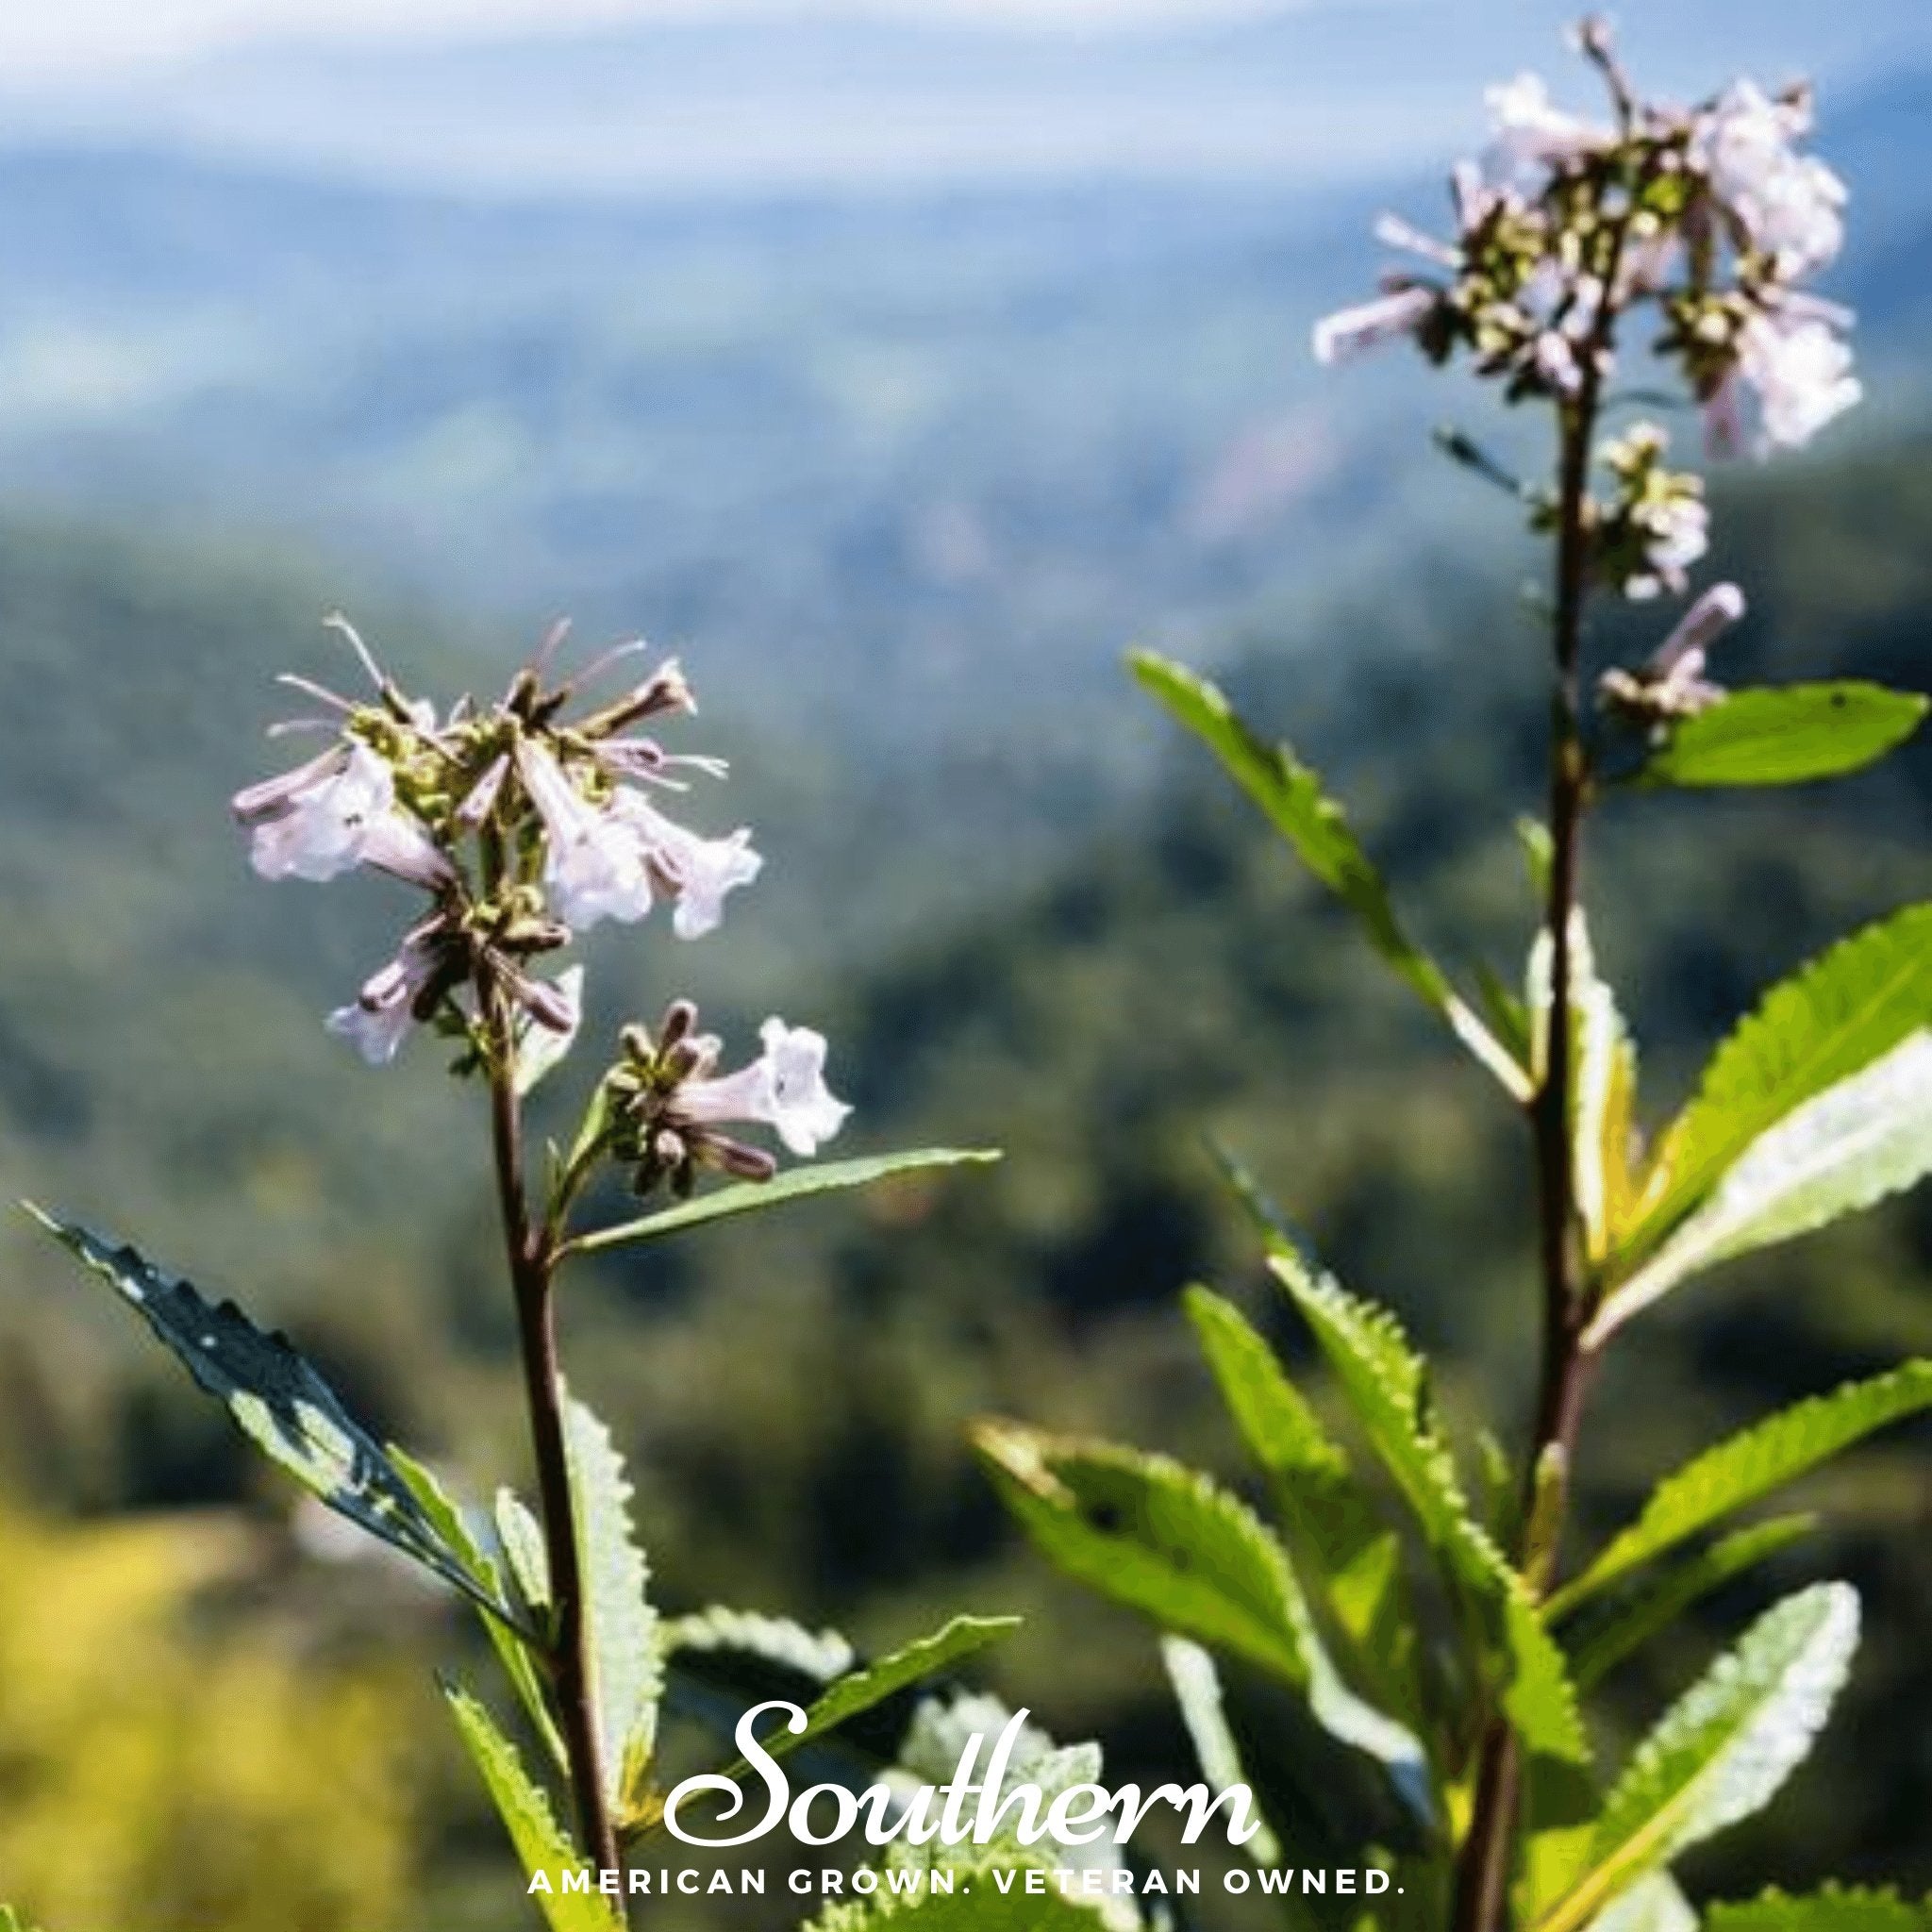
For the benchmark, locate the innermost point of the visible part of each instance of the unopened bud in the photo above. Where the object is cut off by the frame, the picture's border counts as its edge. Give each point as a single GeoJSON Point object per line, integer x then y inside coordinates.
{"type": "Point", "coordinates": [1700, 626]}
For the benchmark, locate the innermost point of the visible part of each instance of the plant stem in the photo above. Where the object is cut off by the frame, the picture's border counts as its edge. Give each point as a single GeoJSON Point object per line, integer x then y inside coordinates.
{"type": "Point", "coordinates": [532, 1268]}
{"type": "Point", "coordinates": [1484, 1865]}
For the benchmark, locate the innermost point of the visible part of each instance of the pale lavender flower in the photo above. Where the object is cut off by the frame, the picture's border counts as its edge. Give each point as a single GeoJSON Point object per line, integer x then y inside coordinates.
{"type": "Point", "coordinates": [1350, 331]}
{"type": "Point", "coordinates": [1671, 684]}
{"type": "Point", "coordinates": [1791, 205]}
{"type": "Point", "coordinates": [1530, 130]}
{"type": "Point", "coordinates": [595, 864]}
{"type": "Point", "coordinates": [334, 814]}
{"type": "Point", "coordinates": [784, 1089]}
{"type": "Point", "coordinates": [1798, 368]}
{"type": "Point", "coordinates": [379, 1019]}
{"type": "Point", "coordinates": [698, 872]}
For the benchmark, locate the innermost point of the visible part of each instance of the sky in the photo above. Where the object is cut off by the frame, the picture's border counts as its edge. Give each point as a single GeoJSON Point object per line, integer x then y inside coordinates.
{"type": "Point", "coordinates": [90, 38]}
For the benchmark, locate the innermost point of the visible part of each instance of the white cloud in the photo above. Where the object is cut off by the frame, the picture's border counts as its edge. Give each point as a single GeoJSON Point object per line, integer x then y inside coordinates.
{"type": "Point", "coordinates": [82, 39]}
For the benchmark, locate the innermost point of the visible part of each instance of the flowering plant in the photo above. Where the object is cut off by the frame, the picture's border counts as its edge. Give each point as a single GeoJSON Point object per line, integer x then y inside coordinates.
{"type": "Point", "coordinates": [519, 825]}
{"type": "Point", "coordinates": [1441, 1689]}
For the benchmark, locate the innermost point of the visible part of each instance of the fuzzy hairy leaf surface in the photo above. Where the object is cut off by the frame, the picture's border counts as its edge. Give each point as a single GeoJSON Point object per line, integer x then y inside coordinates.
{"type": "Point", "coordinates": [1384, 1380]}
{"type": "Point", "coordinates": [1837, 1015]}
{"type": "Point", "coordinates": [1869, 1135]}
{"type": "Point", "coordinates": [1356, 1556]}
{"type": "Point", "coordinates": [282, 1404]}
{"type": "Point", "coordinates": [1167, 1542]}
{"type": "Point", "coordinates": [1654, 1606]}
{"type": "Point", "coordinates": [978, 1904]}
{"type": "Point", "coordinates": [1832, 1909]}
{"type": "Point", "coordinates": [794, 1184]}
{"type": "Point", "coordinates": [820, 1654]}
{"type": "Point", "coordinates": [1724, 1750]}
{"type": "Point", "coordinates": [541, 1843]}
{"type": "Point", "coordinates": [1291, 796]}
{"type": "Point", "coordinates": [625, 1657]}
{"type": "Point", "coordinates": [1785, 736]}
{"type": "Point", "coordinates": [1197, 1690]}
{"type": "Point", "coordinates": [1750, 1464]}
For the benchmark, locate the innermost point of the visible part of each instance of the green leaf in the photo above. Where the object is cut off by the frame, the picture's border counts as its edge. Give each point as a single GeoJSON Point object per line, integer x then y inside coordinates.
{"type": "Point", "coordinates": [282, 1404]}
{"type": "Point", "coordinates": [1291, 794]}
{"type": "Point", "coordinates": [1596, 1652]}
{"type": "Point", "coordinates": [819, 1654]}
{"type": "Point", "coordinates": [1356, 1554]}
{"type": "Point", "coordinates": [1384, 1380]}
{"type": "Point", "coordinates": [1724, 1750]}
{"type": "Point", "coordinates": [977, 1906]}
{"type": "Point", "coordinates": [522, 1537]}
{"type": "Point", "coordinates": [1165, 1541]}
{"type": "Point", "coordinates": [517, 1660]}
{"type": "Point", "coordinates": [913, 1664]}
{"type": "Point", "coordinates": [1197, 1689]}
{"type": "Point", "coordinates": [1843, 1149]}
{"type": "Point", "coordinates": [1835, 1908]}
{"type": "Point", "coordinates": [10, 1921]}
{"type": "Point", "coordinates": [1750, 1464]}
{"type": "Point", "coordinates": [541, 1843]}
{"type": "Point", "coordinates": [1656, 1903]}
{"type": "Point", "coordinates": [1836, 1016]}
{"type": "Point", "coordinates": [1785, 736]}
{"type": "Point", "coordinates": [794, 1184]}
{"type": "Point", "coordinates": [625, 1657]}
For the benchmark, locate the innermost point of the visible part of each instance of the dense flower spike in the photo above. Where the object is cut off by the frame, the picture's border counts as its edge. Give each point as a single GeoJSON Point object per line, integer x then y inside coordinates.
{"type": "Point", "coordinates": [1711, 213]}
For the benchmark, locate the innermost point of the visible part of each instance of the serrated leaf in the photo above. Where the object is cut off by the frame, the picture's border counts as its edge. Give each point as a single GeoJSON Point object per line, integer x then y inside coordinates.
{"type": "Point", "coordinates": [1724, 1750]}
{"type": "Point", "coordinates": [1163, 1540]}
{"type": "Point", "coordinates": [1197, 1689]}
{"type": "Point", "coordinates": [1597, 1651]}
{"type": "Point", "coordinates": [1750, 1464]}
{"type": "Point", "coordinates": [281, 1403]}
{"type": "Point", "coordinates": [542, 1844]}
{"type": "Point", "coordinates": [1355, 1555]}
{"type": "Point", "coordinates": [1786, 736]}
{"type": "Point", "coordinates": [1384, 1380]}
{"type": "Point", "coordinates": [522, 1537]}
{"type": "Point", "coordinates": [626, 1665]}
{"type": "Point", "coordinates": [517, 1660]}
{"type": "Point", "coordinates": [978, 1905]}
{"type": "Point", "coordinates": [1833, 1908]}
{"type": "Point", "coordinates": [819, 1654]}
{"type": "Point", "coordinates": [794, 1184]}
{"type": "Point", "coordinates": [1836, 1016]}
{"type": "Point", "coordinates": [913, 1663]}
{"type": "Point", "coordinates": [1291, 797]}
{"type": "Point", "coordinates": [1843, 1149]}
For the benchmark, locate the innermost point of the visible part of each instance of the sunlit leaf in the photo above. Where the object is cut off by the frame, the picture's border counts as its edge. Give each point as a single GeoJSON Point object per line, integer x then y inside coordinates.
{"type": "Point", "coordinates": [626, 1665]}
{"type": "Point", "coordinates": [1724, 1750]}
{"type": "Point", "coordinates": [1832, 1909]}
{"type": "Point", "coordinates": [1165, 1541]}
{"type": "Point", "coordinates": [794, 1184]}
{"type": "Point", "coordinates": [1291, 794]}
{"type": "Point", "coordinates": [1785, 736]}
{"type": "Point", "coordinates": [1868, 1137]}
{"type": "Point", "coordinates": [282, 1404]}
{"type": "Point", "coordinates": [1197, 1689]}
{"type": "Point", "coordinates": [1384, 1380]}
{"type": "Point", "coordinates": [541, 1843]}
{"type": "Point", "coordinates": [1752, 1464]}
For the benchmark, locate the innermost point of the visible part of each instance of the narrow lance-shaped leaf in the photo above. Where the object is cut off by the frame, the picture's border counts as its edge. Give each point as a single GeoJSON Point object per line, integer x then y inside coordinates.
{"type": "Point", "coordinates": [1356, 1555]}
{"type": "Point", "coordinates": [1843, 1149]}
{"type": "Point", "coordinates": [1165, 1541]}
{"type": "Point", "coordinates": [567, 1897]}
{"type": "Point", "coordinates": [519, 1661]}
{"type": "Point", "coordinates": [1838, 1014]}
{"type": "Point", "coordinates": [1597, 1651]}
{"type": "Point", "coordinates": [1291, 796]}
{"type": "Point", "coordinates": [1785, 736]}
{"type": "Point", "coordinates": [794, 1184]}
{"type": "Point", "coordinates": [1750, 1464]}
{"type": "Point", "coordinates": [1197, 1689]}
{"type": "Point", "coordinates": [1833, 1908]}
{"type": "Point", "coordinates": [1723, 1751]}
{"type": "Point", "coordinates": [282, 1404]}
{"type": "Point", "coordinates": [1384, 1380]}
{"type": "Point", "coordinates": [627, 1664]}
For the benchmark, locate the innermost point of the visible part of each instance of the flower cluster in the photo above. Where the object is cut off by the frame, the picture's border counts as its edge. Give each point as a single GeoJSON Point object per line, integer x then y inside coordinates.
{"type": "Point", "coordinates": [1655, 525]}
{"type": "Point", "coordinates": [525, 823]}
{"type": "Point", "coordinates": [1671, 685]}
{"type": "Point", "coordinates": [1711, 212]}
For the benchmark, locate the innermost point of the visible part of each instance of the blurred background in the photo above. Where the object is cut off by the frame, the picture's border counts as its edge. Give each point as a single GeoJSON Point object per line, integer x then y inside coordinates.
{"type": "Point", "coordinates": [897, 367]}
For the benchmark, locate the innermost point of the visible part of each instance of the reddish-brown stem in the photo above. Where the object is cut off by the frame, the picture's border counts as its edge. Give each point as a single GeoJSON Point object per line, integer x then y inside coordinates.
{"type": "Point", "coordinates": [531, 1252]}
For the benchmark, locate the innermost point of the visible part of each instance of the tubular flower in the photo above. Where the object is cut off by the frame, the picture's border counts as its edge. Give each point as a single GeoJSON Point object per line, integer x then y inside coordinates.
{"type": "Point", "coordinates": [1671, 684]}
{"type": "Point", "coordinates": [783, 1089]}
{"type": "Point", "coordinates": [333, 814]}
